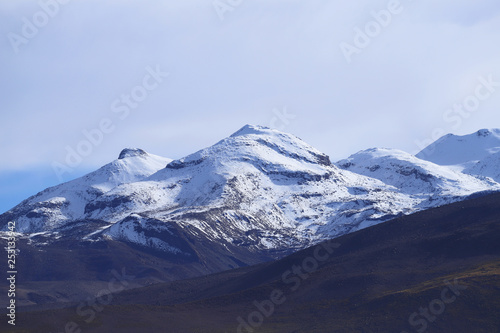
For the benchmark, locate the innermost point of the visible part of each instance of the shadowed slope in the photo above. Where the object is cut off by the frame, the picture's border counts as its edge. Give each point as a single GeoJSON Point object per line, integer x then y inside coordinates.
{"type": "Point", "coordinates": [372, 282]}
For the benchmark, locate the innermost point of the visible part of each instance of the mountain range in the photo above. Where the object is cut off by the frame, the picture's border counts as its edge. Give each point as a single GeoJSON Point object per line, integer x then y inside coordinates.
{"type": "Point", "coordinates": [255, 196]}
{"type": "Point", "coordinates": [264, 182]}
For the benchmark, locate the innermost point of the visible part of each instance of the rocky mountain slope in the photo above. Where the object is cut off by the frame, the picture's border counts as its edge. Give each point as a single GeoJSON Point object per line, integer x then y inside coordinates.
{"type": "Point", "coordinates": [434, 184]}
{"type": "Point", "coordinates": [258, 189]}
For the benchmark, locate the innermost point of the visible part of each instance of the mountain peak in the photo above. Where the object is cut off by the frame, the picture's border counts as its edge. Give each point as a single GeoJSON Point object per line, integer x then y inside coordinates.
{"type": "Point", "coordinates": [462, 149]}
{"type": "Point", "coordinates": [131, 152]}
{"type": "Point", "coordinates": [252, 129]}
{"type": "Point", "coordinates": [258, 144]}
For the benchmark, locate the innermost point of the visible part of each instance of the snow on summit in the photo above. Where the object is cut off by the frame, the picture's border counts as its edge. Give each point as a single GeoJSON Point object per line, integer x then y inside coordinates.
{"type": "Point", "coordinates": [132, 165]}
{"type": "Point", "coordinates": [259, 147]}
{"type": "Point", "coordinates": [67, 201]}
{"type": "Point", "coordinates": [256, 179]}
{"type": "Point", "coordinates": [462, 150]}
{"type": "Point", "coordinates": [411, 174]}
{"type": "Point", "coordinates": [262, 188]}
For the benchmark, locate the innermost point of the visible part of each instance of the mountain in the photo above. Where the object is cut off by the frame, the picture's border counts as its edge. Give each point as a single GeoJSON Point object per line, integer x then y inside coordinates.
{"type": "Point", "coordinates": [436, 270]}
{"type": "Point", "coordinates": [435, 184]}
{"type": "Point", "coordinates": [464, 150]}
{"type": "Point", "coordinates": [255, 196]}
{"type": "Point", "coordinates": [258, 188]}
{"type": "Point", "coordinates": [57, 205]}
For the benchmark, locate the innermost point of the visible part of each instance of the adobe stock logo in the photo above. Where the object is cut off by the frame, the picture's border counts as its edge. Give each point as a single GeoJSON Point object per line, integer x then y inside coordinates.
{"type": "Point", "coordinates": [420, 320]}
{"type": "Point", "coordinates": [223, 6]}
{"type": "Point", "coordinates": [292, 278]}
{"type": "Point", "coordinates": [88, 310]}
{"type": "Point", "coordinates": [121, 108]}
{"type": "Point", "coordinates": [471, 103]}
{"type": "Point", "coordinates": [464, 109]}
{"type": "Point", "coordinates": [281, 119]}
{"type": "Point", "coordinates": [31, 27]}
{"type": "Point", "coordinates": [371, 30]}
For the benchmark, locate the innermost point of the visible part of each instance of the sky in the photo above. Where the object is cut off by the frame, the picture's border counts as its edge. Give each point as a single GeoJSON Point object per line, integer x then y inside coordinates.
{"type": "Point", "coordinates": [80, 80]}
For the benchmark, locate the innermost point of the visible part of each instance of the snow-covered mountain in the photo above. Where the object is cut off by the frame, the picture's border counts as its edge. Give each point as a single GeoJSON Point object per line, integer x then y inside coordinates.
{"type": "Point", "coordinates": [66, 202]}
{"type": "Point", "coordinates": [434, 184]}
{"type": "Point", "coordinates": [259, 186]}
{"type": "Point", "coordinates": [462, 151]}
{"type": "Point", "coordinates": [476, 154]}
{"type": "Point", "coordinates": [258, 189]}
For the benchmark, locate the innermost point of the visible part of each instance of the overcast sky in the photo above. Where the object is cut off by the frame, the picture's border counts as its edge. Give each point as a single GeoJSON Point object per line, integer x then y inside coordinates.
{"type": "Point", "coordinates": [172, 77]}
